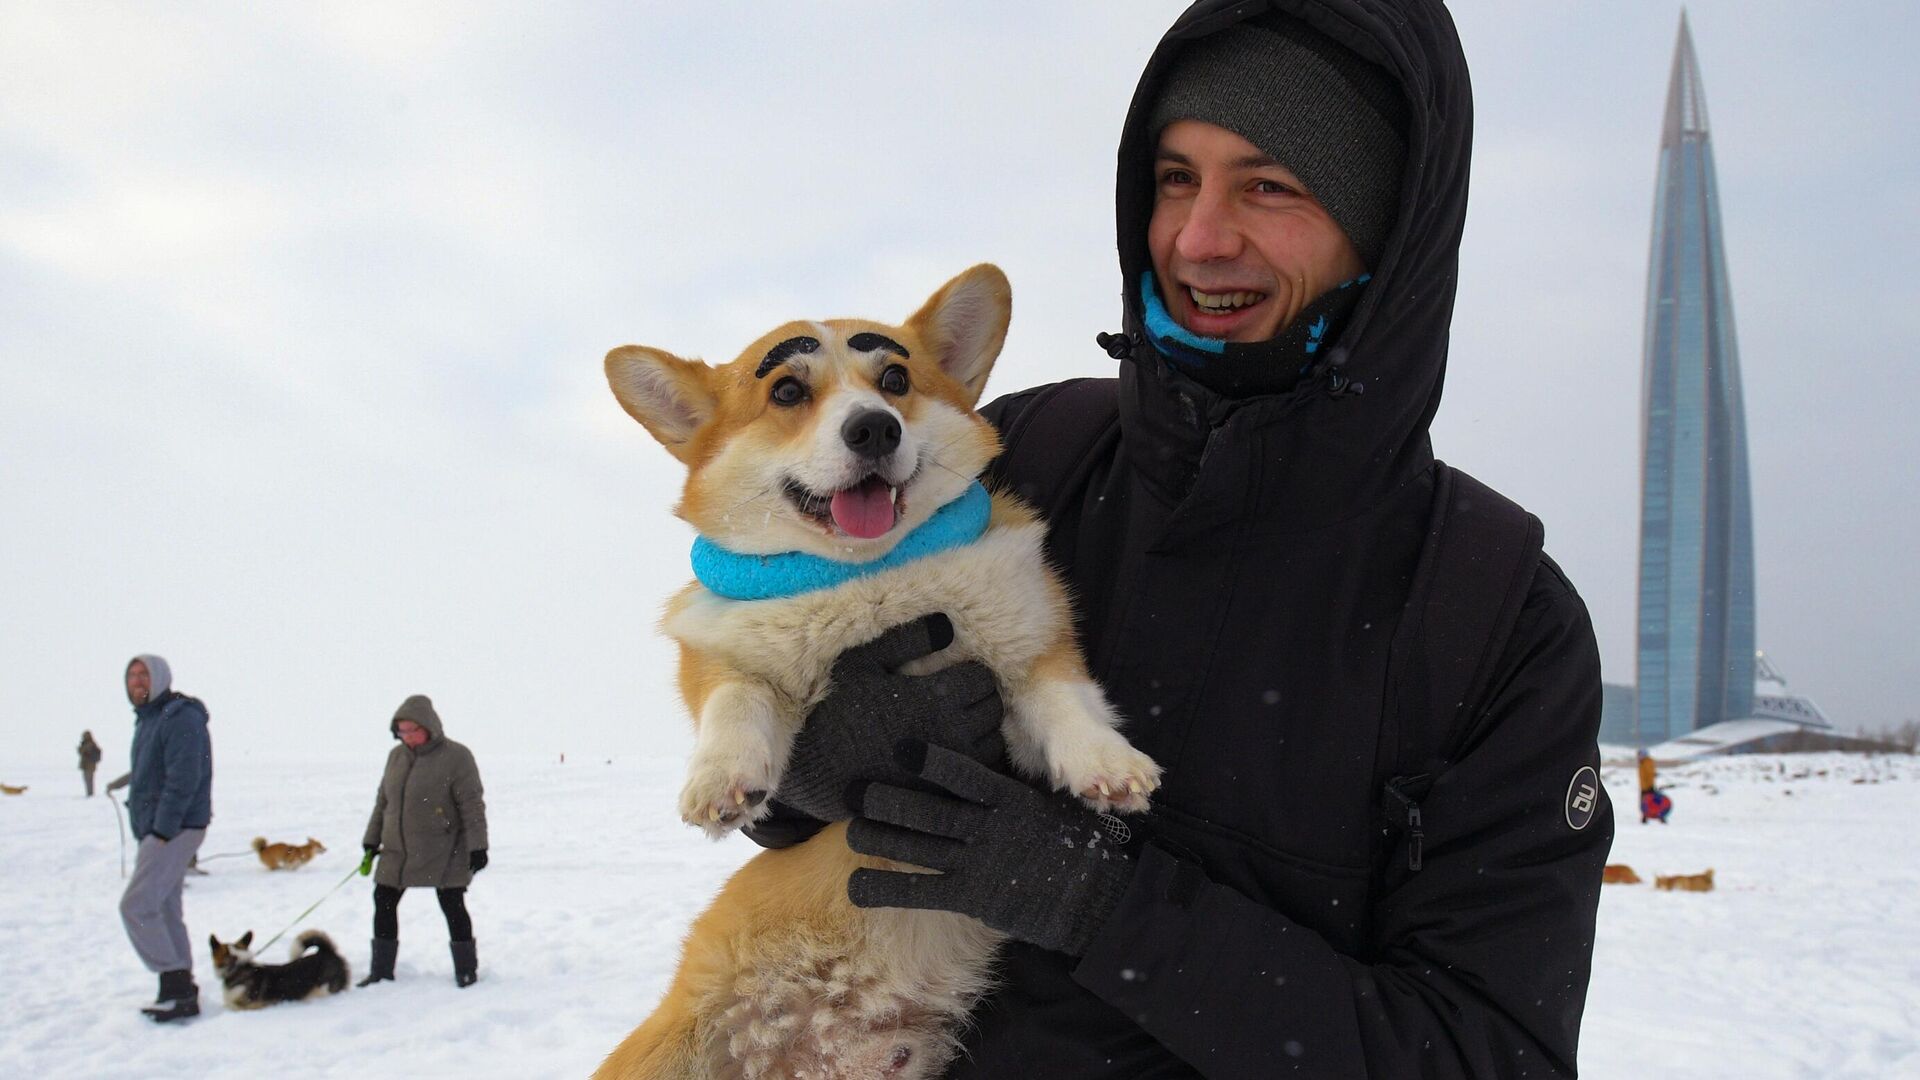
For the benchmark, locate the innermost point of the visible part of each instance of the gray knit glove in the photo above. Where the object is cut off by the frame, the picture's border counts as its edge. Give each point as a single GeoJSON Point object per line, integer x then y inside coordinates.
{"type": "Point", "coordinates": [849, 737]}
{"type": "Point", "coordinates": [1037, 866]}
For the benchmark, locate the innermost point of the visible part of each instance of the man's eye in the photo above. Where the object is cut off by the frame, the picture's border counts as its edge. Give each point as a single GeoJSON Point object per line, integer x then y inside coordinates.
{"type": "Point", "coordinates": [789, 391]}
{"type": "Point", "coordinates": [1176, 176]}
{"type": "Point", "coordinates": [1272, 187]}
{"type": "Point", "coordinates": [895, 381]}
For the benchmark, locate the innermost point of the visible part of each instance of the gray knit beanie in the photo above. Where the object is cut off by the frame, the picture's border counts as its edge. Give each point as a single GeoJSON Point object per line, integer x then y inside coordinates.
{"type": "Point", "coordinates": [1334, 120]}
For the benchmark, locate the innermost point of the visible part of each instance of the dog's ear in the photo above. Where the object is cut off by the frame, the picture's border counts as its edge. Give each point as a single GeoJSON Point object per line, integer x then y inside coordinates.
{"type": "Point", "coordinates": [965, 323]}
{"type": "Point", "coordinates": [246, 939]}
{"type": "Point", "coordinates": [672, 398]}
{"type": "Point", "coordinates": [213, 943]}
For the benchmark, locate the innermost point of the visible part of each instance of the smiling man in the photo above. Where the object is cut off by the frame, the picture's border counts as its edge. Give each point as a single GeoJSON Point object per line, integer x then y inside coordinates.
{"type": "Point", "coordinates": [170, 802]}
{"type": "Point", "coordinates": [1376, 849]}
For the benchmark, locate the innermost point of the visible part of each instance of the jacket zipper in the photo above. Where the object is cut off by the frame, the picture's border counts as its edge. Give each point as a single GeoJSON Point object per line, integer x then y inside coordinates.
{"type": "Point", "coordinates": [405, 782]}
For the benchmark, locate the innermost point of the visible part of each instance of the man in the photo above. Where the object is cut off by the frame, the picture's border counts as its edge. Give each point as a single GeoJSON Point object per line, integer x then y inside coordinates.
{"type": "Point", "coordinates": [170, 803]}
{"type": "Point", "coordinates": [1245, 540]}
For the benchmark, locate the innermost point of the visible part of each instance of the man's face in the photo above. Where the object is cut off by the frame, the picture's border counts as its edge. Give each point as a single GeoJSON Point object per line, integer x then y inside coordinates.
{"type": "Point", "coordinates": [139, 682]}
{"type": "Point", "coordinates": [1239, 245]}
{"type": "Point", "coordinates": [411, 733]}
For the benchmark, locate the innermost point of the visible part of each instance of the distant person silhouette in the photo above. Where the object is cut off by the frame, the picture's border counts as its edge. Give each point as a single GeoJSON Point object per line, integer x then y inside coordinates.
{"type": "Point", "coordinates": [89, 759]}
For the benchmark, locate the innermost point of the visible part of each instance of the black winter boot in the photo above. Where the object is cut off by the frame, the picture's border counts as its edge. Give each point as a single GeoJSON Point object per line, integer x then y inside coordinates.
{"type": "Point", "coordinates": [179, 998]}
{"type": "Point", "coordinates": [466, 965]}
{"type": "Point", "coordinates": [380, 965]}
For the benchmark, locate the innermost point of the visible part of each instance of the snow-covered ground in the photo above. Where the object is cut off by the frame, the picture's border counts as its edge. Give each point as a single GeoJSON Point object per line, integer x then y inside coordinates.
{"type": "Point", "coordinates": [1804, 963]}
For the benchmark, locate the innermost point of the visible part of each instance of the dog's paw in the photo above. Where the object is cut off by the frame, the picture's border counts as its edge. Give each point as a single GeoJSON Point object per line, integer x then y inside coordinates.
{"type": "Point", "coordinates": [1115, 778]}
{"type": "Point", "coordinates": [720, 802]}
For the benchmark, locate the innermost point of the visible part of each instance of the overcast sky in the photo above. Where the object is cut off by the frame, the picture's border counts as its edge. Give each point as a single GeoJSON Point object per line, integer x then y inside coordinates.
{"type": "Point", "coordinates": [302, 309]}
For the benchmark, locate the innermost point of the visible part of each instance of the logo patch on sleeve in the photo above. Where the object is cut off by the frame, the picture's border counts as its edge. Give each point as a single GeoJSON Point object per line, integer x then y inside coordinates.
{"type": "Point", "coordinates": [1583, 798]}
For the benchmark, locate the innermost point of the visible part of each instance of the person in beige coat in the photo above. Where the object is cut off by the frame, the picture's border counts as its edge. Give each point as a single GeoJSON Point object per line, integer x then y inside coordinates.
{"type": "Point", "coordinates": [429, 829]}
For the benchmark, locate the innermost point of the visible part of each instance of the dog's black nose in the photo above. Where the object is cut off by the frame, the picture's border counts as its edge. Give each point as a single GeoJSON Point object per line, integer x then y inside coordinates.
{"type": "Point", "coordinates": [871, 433]}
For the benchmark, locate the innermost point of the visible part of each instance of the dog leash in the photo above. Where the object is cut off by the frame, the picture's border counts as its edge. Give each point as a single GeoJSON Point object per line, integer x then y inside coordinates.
{"type": "Point", "coordinates": [351, 873]}
{"type": "Point", "coordinates": [122, 822]}
{"type": "Point", "coordinates": [224, 855]}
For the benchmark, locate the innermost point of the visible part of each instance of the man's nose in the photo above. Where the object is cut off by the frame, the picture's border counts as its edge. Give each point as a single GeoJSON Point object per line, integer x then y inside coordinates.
{"type": "Point", "coordinates": [1210, 233]}
{"type": "Point", "coordinates": [871, 433]}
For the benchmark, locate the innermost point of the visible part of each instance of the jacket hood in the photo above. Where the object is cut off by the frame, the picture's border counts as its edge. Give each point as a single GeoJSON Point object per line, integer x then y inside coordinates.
{"type": "Point", "coordinates": [1356, 425]}
{"type": "Point", "coordinates": [158, 673]}
{"type": "Point", "coordinates": [419, 709]}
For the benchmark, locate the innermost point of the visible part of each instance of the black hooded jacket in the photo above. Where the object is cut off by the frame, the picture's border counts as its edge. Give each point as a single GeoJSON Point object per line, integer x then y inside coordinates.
{"type": "Point", "coordinates": [1239, 568]}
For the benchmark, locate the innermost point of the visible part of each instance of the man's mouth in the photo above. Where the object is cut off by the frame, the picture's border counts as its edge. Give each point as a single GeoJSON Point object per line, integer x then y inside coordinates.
{"type": "Point", "coordinates": [868, 509]}
{"type": "Point", "coordinates": [1224, 303]}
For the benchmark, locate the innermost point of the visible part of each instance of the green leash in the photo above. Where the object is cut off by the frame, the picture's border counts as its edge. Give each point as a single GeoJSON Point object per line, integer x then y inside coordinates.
{"type": "Point", "coordinates": [296, 919]}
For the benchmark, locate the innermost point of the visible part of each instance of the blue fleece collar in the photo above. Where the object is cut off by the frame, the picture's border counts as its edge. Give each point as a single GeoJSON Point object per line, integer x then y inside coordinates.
{"type": "Point", "coordinates": [1172, 339]}
{"type": "Point", "coordinates": [1240, 369]}
{"type": "Point", "coordinates": [791, 573]}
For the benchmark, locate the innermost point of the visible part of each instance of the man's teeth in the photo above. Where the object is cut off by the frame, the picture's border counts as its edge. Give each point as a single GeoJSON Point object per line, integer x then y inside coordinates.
{"type": "Point", "coordinates": [1224, 301]}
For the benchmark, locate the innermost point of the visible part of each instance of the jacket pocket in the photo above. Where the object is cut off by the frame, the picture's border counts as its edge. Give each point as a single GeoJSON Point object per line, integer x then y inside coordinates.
{"type": "Point", "coordinates": [1329, 899]}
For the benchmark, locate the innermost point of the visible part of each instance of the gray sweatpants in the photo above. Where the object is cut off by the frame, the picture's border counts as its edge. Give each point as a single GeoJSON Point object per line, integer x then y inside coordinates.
{"type": "Point", "coordinates": [150, 907]}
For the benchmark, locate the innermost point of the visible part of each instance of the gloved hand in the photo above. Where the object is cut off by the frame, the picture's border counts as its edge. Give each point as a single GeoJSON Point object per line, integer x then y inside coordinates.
{"type": "Point", "coordinates": [851, 734]}
{"type": "Point", "coordinates": [119, 782]}
{"type": "Point", "coordinates": [477, 860]}
{"type": "Point", "coordinates": [366, 864]}
{"type": "Point", "coordinates": [1035, 865]}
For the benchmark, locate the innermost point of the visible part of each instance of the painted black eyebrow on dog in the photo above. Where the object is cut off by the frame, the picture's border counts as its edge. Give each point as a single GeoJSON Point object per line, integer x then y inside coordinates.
{"type": "Point", "coordinates": [867, 342]}
{"type": "Point", "coordinates": [779, 353]}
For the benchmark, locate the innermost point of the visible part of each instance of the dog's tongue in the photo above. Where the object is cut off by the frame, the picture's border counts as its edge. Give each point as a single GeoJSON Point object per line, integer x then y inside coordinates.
{"type": "Point", "coordinates": [866, 510]}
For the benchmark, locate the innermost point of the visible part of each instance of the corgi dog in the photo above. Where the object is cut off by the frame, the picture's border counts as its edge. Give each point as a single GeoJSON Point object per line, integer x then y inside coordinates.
{"type": "Point", "coordinates": [1618, 874]}
{"type": "Point", "coordinates": [287, 856]}
{"type": "Point", "coordinates": [811, 458]}
{"type": "Point", "coordinates": [1702, 882]}
{"type": "Point", "coordinates": [11, 790]}
{"type": "Point", "coordinates": [315, 970]}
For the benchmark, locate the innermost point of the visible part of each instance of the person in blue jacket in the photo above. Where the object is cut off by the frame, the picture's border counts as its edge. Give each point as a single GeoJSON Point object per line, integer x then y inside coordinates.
{"type": "Point", "coordinates": [170, 803]}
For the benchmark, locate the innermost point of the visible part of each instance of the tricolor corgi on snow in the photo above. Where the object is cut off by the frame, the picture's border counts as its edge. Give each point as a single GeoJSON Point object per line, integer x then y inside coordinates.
{"type": "Point", "coordinates": [315, 970]}
{"type": "Point", "coordinates": [831, 443]}
{"type": "Point", "coordinates": [287, 856]}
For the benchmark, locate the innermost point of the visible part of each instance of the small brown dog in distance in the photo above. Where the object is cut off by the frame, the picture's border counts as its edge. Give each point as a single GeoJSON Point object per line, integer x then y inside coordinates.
{"type": "Point", "coordinates": [286, 856]}
{"type": "Point", "coordinates": [1702, 882]}
{"type": "Point", "coordinates": [11, 790]}
{"type": "Point", "coordinates": [1618, 874]}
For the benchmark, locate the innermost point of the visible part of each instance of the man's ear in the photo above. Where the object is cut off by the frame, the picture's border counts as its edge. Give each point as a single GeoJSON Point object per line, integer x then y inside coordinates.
{"type": "Point", "coordinates": [965, 323]}
{"type": "Point", "coordinates": [670, 397]}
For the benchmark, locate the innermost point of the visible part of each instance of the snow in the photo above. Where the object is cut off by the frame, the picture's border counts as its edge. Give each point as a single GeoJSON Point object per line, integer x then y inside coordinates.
{"type": "Point", "coordinates": [577, 919]}
{"type": "Point", "coordinates": [1801, 964]}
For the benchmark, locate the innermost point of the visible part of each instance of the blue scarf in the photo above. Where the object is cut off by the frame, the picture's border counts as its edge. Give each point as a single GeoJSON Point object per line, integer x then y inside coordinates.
{"type": "Point", "coordinates": [790, 573]}
{"type": "Point", "coordinates": [1243, 369]}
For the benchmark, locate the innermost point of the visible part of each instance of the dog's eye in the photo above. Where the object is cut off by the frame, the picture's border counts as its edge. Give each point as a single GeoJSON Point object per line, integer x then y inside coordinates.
{"type": "Point", "coordinates": [894, 380]}
{"type": "Point", "coordinates": [789, 391]}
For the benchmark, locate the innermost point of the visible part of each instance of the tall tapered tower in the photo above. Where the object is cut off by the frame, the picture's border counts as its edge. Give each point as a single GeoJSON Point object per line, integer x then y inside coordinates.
{"type": "Point", "coordinates": [1696, 627]}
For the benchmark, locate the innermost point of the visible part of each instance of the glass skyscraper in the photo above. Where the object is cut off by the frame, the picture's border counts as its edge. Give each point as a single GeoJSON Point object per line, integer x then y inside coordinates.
{"type": "Point", "coordinates": [1696, 623]}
